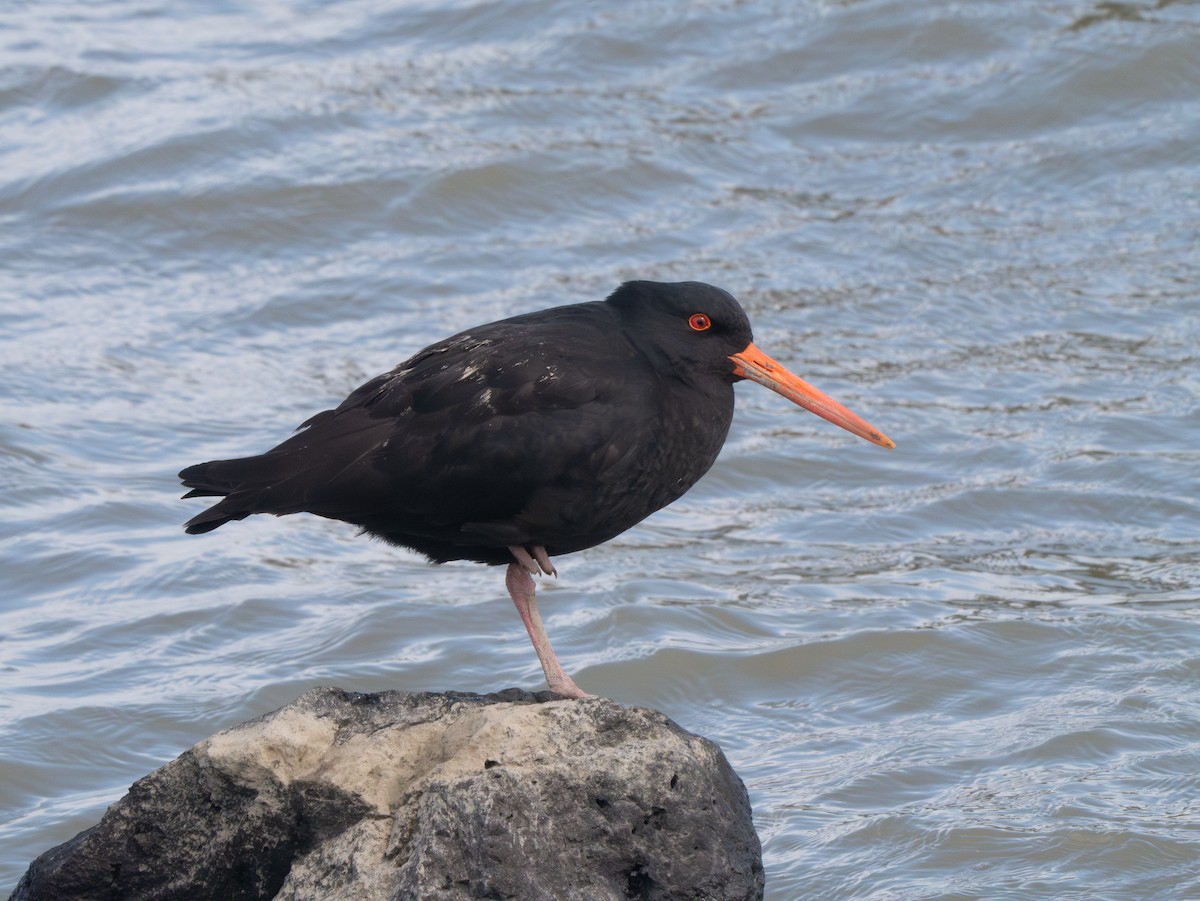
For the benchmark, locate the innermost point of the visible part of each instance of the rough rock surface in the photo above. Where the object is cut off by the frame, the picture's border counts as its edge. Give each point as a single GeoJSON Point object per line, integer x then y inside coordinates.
{"type": "Point", "coordinates": [433, 796]}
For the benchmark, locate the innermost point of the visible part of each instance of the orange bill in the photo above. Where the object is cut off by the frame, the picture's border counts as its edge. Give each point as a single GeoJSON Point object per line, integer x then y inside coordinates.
{"type": "Point", "coordinates": [755, 365]}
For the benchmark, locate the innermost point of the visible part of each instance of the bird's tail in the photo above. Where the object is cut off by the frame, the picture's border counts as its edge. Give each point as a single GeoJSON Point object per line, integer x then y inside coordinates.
{"type": "Point", "coordinates": [239, 483]}
{"type": "Point", "coordinates": [326, 468]}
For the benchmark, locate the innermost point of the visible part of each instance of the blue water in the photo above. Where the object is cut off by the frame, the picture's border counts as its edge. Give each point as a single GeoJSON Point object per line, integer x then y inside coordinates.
{"type": "Point", "coordinates": [966, 668]}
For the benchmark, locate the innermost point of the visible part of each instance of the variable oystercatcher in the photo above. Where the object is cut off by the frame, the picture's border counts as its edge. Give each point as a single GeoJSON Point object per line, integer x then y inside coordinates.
{"type": "Point", "coordinates": [524, 439]}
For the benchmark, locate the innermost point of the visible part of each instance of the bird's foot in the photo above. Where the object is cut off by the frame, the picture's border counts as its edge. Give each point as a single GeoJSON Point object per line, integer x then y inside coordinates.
{"type": "Point", "coordinates": [543, 560]}
{"type": "Point", "coordinates": [567, 688]}
{"type": "Point", "coordinates": [537, 564]}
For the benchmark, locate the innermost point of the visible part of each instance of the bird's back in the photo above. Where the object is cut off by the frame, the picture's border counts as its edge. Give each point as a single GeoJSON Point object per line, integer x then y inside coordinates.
{"type": "Point", "coordinates": [547, 429]}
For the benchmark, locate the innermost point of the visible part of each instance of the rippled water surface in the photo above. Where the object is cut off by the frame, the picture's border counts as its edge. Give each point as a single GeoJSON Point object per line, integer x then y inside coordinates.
{"type": "Point", "coordinates": [968, 668]}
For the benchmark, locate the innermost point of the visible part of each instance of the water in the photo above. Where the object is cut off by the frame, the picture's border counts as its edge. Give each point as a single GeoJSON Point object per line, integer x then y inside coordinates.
{"type": "Point", "coordinates": [964, 669]}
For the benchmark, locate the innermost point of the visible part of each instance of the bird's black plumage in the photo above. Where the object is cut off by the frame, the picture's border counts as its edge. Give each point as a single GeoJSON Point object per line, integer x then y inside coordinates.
{"type": "Point", "coordinates": [557, 429]}
{"type": "Point", "coordinates": [524, 439]}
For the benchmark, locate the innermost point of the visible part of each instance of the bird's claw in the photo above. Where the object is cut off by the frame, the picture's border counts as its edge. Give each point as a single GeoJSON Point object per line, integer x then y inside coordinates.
{"type": "Point", "coordinates": [543, 560]}
{"type": "Point", "coordinates": [537, 564]}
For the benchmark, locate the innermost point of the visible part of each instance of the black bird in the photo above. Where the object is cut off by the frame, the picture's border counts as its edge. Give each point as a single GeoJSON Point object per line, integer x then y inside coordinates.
{"type": "Point", "coordinates": [524, 439]}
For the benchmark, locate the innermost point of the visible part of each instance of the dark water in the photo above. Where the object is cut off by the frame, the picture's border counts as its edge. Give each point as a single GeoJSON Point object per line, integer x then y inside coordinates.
{"type": "Point", "coordinates": [967, 668]}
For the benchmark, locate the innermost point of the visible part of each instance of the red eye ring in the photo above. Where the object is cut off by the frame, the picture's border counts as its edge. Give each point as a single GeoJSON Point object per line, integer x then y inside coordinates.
{"type": "Point", "coordinates": [699, 322]}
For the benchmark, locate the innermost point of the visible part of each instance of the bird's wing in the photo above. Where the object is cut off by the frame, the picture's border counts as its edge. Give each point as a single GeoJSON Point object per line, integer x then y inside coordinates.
{"type": "Point", "coordinates": [488, 435]}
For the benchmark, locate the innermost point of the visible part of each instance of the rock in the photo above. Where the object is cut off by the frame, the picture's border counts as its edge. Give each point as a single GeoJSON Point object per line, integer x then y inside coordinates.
{"type": "Point", "coordinates": [433, 796]}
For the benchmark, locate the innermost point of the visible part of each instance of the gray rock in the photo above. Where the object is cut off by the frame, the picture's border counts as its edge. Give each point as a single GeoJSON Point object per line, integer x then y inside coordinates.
{"type": "Point", "coordinates": [433, 796]}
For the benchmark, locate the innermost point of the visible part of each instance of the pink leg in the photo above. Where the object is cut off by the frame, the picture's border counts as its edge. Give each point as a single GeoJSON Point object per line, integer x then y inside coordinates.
{"type": "Point", "coordinates": [524, 594]}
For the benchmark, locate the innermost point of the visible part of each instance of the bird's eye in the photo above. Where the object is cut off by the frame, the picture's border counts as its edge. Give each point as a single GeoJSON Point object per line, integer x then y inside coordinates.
{"type": "Point", "coordinates": [699, 322]}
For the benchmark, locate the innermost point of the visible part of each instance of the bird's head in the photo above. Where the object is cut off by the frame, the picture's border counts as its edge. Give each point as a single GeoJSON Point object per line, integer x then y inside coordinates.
{"type": "Point", "coordinates": [695, 327]}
